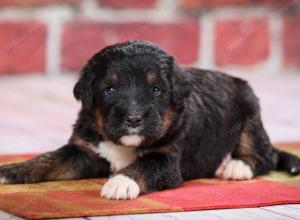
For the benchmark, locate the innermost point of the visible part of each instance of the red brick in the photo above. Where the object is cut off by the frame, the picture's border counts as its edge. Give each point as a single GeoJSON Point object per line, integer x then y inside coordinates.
{"type": "Point", "coordinates": [195, 4]}
{"type": "Point", "coordinates": [117, 4]}
{"type": "Point", "coordinates": [23, 46]}
{"type": "Point", "coordinates": [198, 4]}
{"type": "Point", "coordinates": [279, 4]}
{"type": "Point", "coordinates": [29, 3]}
{"type": "Point", "coordinates": [83, 39]}
{"type": "Point", "coordinates": [291, 41]}
{"type": "Point", "coordinates": [240, 42]}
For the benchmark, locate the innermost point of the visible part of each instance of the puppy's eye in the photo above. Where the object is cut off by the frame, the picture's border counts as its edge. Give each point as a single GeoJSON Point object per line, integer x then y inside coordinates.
{"type": "Point", "coordinates": [156, 90]}
{"type": "Point", "coordinates": [109, 90]}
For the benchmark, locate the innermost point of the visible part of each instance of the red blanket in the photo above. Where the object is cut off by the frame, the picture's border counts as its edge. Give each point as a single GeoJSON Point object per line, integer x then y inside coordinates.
{"type": "Point", "coordinates": [81, 198]}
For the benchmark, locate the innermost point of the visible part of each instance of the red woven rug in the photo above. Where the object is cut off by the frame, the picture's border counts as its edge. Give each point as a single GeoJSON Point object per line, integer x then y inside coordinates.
{"type": "Point", "coordinates": [81, 198]}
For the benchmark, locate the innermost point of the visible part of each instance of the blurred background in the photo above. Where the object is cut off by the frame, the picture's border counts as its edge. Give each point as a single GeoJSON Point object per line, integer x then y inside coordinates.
{"type": "Point", "coordinates": [44, 43]}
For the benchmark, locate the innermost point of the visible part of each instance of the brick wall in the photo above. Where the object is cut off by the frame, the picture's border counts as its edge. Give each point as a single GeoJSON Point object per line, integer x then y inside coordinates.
{"type": "Point", "coordinates": [54, 36]}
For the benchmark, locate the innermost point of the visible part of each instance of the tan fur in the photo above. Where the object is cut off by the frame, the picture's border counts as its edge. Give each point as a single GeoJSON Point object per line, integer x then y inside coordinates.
{"type": "Point", "coordinates": [167, 120]}
{"type": "Point", "coordinates": [100, 123]}
{"type": "Point", "coordinates": [114, 77]}
{"type": "Point", "coordinates": [61, 172]}
{"type": "Point", "coordinates": [245, 149]}
{"type": "Point", "coordinates": [82, 144]}
{"type": "Point", "coordinates": [151, 77]}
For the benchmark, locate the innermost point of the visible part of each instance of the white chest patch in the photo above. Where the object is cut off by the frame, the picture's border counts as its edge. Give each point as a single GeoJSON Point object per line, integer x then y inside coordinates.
{"type": "Point", "coordinates": [118, 156]}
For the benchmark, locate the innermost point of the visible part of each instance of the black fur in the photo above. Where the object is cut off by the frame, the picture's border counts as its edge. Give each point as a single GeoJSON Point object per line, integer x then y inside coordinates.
{"type": "Point", "coordinates": [190, 119]}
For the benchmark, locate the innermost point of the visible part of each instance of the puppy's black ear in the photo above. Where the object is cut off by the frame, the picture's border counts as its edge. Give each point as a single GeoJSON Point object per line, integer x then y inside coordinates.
{"type": "Point", "coordinates": [83, 88]}
{"type": "Point", "coordinates": [181, 87]}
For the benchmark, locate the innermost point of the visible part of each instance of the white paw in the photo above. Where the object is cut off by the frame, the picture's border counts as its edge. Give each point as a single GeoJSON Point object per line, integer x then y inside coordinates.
{"type": "Point", "coordinates": [237, 170]}
{"type": "Point", "coordinates": [222, 166]}
{"type": "Point", "coordinates": [3, 180]}
{"type": "Point", "coordinates": [120, 187]}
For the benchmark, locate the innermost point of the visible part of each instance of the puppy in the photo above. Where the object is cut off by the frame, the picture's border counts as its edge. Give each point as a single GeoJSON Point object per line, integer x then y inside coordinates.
{"type": "Point", "coordinates": [148, 125]}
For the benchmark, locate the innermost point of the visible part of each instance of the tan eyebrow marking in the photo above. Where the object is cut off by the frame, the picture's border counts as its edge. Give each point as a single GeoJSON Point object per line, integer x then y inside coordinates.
{"type": "Point", "coordinates": [151, 76]}
{"type": "Point", "coordinates": [114, 77]}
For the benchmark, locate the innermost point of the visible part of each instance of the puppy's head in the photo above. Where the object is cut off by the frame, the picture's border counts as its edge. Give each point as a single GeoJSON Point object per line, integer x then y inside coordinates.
{"type": "Point", "coordinates": [134, 90]}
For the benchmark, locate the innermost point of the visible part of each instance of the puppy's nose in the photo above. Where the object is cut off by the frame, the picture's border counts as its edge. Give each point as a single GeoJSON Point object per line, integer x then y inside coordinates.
{"type": "Point", "coordinates": [134, 121]}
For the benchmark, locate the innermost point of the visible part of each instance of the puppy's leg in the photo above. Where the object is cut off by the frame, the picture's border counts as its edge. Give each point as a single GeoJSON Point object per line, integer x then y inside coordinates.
{"type": "Point", "coordinates": [253, 154]}
{"type": "Point", "coordinates": [68, 162]}
{"type": "Point", "coordinates": [152, 172]}
{"type": "Point", "coordinates": [235, 169]}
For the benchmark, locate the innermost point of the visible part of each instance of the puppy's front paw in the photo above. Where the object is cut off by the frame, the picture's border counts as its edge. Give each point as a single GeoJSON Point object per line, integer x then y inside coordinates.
{"type": "Point", "coordinates": [16, 173]}
{"type": "Point", "coordinates": [120, 187]}
{"type": "Point", "coordinates": [7, 174]}
{"type": "Point", "coordinates": [3, 180]}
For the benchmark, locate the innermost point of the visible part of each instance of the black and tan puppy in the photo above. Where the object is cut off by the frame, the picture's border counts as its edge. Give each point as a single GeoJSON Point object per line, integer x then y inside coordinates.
{"type": "Point", "coordinates": [149, 125]}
